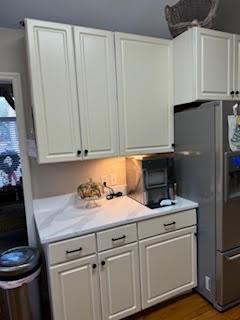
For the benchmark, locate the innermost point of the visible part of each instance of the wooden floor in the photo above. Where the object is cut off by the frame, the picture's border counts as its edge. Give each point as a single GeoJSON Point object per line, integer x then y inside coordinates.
{"type": "Point", "coordinates": [191, 307]}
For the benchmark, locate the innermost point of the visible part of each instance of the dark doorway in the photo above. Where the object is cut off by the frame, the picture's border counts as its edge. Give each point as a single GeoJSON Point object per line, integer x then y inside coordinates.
{"type": "Point", "coordinates": [13, 230]}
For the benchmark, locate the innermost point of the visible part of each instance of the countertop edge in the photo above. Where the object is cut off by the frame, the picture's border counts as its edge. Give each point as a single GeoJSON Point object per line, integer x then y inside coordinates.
{"type": "Point", "coordinates": [47, 241]}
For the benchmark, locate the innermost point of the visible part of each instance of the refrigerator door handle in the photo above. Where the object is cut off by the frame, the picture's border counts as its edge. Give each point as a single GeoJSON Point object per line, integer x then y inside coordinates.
{"type": "Point", "coordinates": [226, 176]}
{"type": "Point", "coordinates": [232, 258]}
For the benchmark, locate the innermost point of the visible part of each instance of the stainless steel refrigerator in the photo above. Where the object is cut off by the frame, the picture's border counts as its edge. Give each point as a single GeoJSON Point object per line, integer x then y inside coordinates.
{"type": "Point", "coordinates": [209, 172]}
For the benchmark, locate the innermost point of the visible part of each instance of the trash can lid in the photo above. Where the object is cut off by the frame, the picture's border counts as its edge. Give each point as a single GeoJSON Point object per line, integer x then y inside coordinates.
{"type": "Point", "coordinates": [18, 262]}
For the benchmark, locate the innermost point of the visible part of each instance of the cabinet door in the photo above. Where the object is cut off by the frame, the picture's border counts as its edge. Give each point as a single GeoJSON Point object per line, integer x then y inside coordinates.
{"type": "Point", "coordinates": [168, 266]}
{"type": "Point", "coordinates": [54, 94]}
{"type": "Point", "coordinates": [75, 290]}
{"type": "Point", "coordinates": [144, 72]}
{"type": "Point", "coordinates": [214, 64]}
{"type": "Point", "coordinates": [237, 66]}
{"type": "Point", "coordinates": [96, 77]}
{"type": "Point", "coordinates": [119, 281]}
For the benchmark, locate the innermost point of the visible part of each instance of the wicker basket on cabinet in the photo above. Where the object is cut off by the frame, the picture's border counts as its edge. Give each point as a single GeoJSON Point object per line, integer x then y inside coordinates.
{"type": "Point", "coordinates": [188, 13]}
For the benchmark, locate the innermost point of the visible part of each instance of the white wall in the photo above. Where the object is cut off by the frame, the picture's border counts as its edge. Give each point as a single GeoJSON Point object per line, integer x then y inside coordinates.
{"type": "Point", "coordinates": [13, 59]}
{"type": "Point", "coordinates": [134, 16]}
{"type": "Point", "coordinates": [55, 179]}
{"type": "Point", "coordinates": [228, 16]}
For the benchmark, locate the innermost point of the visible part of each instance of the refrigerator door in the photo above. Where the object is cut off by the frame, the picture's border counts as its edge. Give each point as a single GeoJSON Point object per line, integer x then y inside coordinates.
{"type": "Point", "coordinates": [195, 171]}
{"type": "Point", "coordinates": [228, 277]}
{"type": "Point", "coordinates": [228, 217]}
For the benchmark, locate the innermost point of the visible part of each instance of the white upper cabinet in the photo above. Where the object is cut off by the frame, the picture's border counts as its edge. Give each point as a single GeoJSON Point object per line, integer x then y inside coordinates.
{"type": "Point", "coordinates": [204, 66]}
{"type": "Point", "coordinates": [144, 79]}
{"type": "Point", "coordinates": [73, 80]}
{"type": "Point", "coordinates": [74, 92]}
{"type": "Point", "coordinates": [237, 66]}
{"type": "Point", "coordinates": [215, 64]}
{"type": "Point", "coordinates": [96, 79]}
{"type": "Point", "coordinates": [53, 85]}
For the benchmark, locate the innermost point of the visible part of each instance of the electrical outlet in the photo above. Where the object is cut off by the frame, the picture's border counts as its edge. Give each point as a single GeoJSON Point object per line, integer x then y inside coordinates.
{"type": "Point", "coordinates": [208, 283]}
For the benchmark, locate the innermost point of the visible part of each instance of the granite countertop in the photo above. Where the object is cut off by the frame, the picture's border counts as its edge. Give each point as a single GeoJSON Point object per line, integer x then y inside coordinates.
{"type": "Point", "coordinates": [64, 217]}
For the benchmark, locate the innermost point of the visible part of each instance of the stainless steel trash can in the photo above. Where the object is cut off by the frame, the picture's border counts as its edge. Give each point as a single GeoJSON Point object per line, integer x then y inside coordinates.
{"type": "Point", "coordinates": [19, 290]}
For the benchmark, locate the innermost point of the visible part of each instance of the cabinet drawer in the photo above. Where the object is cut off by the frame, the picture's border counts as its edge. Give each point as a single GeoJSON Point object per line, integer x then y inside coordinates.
{"type": "Point", "coordinates": [166, 223]}
{"type": "Point", "coordinates": [71, 249]}
{"type": "Point", "coordinates": [116, 237]}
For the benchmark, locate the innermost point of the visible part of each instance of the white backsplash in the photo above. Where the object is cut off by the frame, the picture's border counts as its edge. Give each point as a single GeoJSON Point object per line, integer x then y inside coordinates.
{"type": "Point", "coordinates": [50, 180]}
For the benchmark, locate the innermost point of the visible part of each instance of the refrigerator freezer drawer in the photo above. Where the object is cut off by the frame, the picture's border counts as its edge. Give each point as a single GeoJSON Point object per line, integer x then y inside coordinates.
{"type": "Point", "coordinates": [228, 277]}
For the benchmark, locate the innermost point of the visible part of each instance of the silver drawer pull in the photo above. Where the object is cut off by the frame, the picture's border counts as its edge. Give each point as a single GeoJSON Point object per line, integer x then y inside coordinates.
{"type": "Point", "coordinates": [120, 238]}
{"type": "Point", "coordinates": [237, 256]}
{"type": "Point", "coordinates": [169, 224]}
{"type": "Point", "coordinates": [74, 251]}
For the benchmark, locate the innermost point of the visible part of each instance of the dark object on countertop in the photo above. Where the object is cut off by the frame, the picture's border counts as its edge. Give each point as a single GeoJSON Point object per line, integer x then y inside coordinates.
{"type": "Point", "coordinates": [161, 204]}
{"type": "Point", "coordinates": [189, 13]}
{"type": "Point", "coordinates": [151, 179]}
{"type": "Point", "coordinates": [112, 194]}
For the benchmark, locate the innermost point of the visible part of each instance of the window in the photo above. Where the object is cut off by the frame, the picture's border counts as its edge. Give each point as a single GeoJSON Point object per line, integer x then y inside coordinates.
{"type": "Point", "coordinates": [10, 164]}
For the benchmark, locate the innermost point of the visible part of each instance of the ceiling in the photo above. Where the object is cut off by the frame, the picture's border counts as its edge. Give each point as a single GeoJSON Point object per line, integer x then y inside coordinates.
{"type": "Point", "coordinates": [135, 16]}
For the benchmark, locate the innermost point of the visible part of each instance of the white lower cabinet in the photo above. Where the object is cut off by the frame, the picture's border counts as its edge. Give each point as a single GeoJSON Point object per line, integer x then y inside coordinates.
{"type": "Point", "coordinates": [133, 268]}
{"type": "Point", "coordinates": [120, 282]}
{"type": "Point", "coordinates": [75, 290]}
{"type": "Point", "coordinates": [168, 265]}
